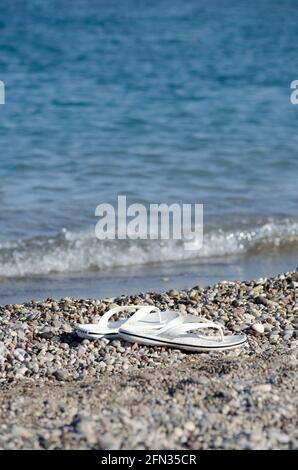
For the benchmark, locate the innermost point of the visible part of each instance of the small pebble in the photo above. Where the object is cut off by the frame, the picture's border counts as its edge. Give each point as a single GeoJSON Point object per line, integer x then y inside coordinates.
{"type": "Point", "coordinates": [258, 328]}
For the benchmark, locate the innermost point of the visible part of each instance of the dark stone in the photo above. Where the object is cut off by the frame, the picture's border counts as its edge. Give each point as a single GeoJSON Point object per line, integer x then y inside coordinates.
{"type": "Point", "coordinates": [61, 375]}
{"type": "Point", "coordinates": [46, 333]}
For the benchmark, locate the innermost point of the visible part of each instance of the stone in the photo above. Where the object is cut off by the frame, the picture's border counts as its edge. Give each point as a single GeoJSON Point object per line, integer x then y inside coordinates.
{"type": "Point", "coordinates": [21, 372]}
{"type": "Point", "coordinates": [3, 351]}
{"type": "Point", "coordinates": [173, 293]}
{"type": "Point", "coordinates": [85, 425]}
{"type": "Point", "coordinates": [262, 388]}
{"type": "Point", "coordinates": [60, 375]}
{"type": "Point", "coordinates": [279, 436]}
{"type": "Point", "coordinates": [189, 426]}
{"type": "Point", "coordinates": [46, 333]}
{"type": "Point", "coordinates": [258, 328]}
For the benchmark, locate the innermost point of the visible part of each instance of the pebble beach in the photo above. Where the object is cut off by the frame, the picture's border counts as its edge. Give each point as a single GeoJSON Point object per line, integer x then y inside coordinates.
{"type": "Point", "coordinates": [60, 392]}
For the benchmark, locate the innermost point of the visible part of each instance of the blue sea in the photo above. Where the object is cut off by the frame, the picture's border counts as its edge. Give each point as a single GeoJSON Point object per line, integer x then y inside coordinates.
{"type": "Point", "coordinates": [166, 101]}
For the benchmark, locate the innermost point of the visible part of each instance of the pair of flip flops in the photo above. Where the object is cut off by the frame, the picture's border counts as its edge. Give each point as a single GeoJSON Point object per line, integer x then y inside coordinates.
{"type": "Point", "coordinates": [150, 326]}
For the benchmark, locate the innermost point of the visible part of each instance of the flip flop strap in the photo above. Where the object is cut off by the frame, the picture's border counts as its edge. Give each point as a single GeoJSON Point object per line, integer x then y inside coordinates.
{"type": "Point", "coordinates": [103, 322]}
{"type": "Point", "coordinates": [175, 322]}
{"type": "Point", "coordinates": [176, 330]}
{"type": "Point", "coordinates": [142, 312]}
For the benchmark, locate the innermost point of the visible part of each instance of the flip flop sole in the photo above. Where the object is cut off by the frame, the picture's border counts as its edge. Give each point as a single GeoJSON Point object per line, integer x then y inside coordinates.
{"type": "Point", "coordinates": [133, 338]}
{"type": "Point", "coordinates": [87, 335]}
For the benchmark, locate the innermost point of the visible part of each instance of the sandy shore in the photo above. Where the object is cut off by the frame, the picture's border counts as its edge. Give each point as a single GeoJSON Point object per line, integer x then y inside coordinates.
{"type": "Point", "coordinates": [59, 392]}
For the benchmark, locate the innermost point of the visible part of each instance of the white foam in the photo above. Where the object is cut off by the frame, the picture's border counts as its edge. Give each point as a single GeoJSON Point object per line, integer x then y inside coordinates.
{"type": "Point", "coordinates": [80, 252]}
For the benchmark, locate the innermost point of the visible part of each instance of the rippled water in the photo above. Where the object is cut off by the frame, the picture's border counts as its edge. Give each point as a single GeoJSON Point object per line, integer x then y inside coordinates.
{"type": "Point", "coordinates": [163, 101]}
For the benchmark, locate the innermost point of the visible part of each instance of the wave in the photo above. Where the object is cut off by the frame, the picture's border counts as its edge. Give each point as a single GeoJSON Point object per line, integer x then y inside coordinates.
{"type": "Point", "coordinates": [69, 252]}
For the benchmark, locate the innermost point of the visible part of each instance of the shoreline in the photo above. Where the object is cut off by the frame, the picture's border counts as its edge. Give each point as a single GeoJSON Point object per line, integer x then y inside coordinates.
{"type": "Point", "coordinates": [156, 277]}
{"type": "Point", "coordinates": [61, 392]}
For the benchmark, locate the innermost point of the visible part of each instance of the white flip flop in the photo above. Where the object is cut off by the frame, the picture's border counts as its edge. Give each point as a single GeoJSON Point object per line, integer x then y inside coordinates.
{"type": "Point", "coordinates": [147, 315]}
{"type": "Point", "coordinates": [179, 333]}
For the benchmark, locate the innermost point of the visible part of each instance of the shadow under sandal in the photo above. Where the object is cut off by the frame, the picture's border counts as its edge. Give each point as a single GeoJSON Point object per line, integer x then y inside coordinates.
{"type": "Point", "coordinates": [183, 333]}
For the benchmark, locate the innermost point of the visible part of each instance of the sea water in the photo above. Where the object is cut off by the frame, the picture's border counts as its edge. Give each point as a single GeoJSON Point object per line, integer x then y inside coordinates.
{"type": "Point", "coordinates": [165, 102]}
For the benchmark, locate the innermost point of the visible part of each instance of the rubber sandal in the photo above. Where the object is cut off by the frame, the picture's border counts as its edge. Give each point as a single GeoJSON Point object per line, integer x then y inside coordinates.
{"type": "Point", "coordinates": [147, 315]}
{"type": "Point", "coordinates": [179, 333]}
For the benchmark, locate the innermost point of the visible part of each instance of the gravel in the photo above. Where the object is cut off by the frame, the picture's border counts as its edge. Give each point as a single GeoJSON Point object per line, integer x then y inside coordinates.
{"type": "Point", "coordinates": [60, 392]}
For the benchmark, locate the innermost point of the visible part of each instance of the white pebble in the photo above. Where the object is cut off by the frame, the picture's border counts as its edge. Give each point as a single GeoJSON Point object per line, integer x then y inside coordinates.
{"type": "Point", "coordinates": [258, 328]}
